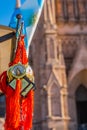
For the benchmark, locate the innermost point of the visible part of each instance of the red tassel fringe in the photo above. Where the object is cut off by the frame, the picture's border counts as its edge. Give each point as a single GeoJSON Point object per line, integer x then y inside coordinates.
{"type": "Point", "coordinates": [15, 118]}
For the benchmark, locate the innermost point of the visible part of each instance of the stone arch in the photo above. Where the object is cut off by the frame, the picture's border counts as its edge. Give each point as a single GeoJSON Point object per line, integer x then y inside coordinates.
{"type": "Point", "coordinates": [76, 73]}
{"type": "Point", "coordinates": [80, 78]}
{"type": "Point", "coordinates": [79, 63]}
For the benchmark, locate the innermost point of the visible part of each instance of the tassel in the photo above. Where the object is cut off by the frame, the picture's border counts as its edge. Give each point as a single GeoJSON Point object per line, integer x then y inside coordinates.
{"type": "Point", "coordinates": [30, 103]}
{"type": "Point", "coordinates": [13, 110]}
{"type": "Point", "coordinates": [13, 98]}
{"type": "Point", "coordinates": [15, 106]}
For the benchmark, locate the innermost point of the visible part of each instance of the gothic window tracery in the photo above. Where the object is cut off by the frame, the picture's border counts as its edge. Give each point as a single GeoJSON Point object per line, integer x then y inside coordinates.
{"type": "Point", "coordinates": [55, 101]}
{"type": "Point", "coordinates": [71, 10]}
{"type": "Point", "coordinates": [65, 9]}
{"type": "Point", "coordinates": [76, 9]}
{"type": "Point", "coordinates": [52, 49]}
{"type": "Point", "coordinates": [59, 9]}
{"type": "Point", "coordinates": [83, 10]}
{"type": "Point", "coordinates": [70, 45]}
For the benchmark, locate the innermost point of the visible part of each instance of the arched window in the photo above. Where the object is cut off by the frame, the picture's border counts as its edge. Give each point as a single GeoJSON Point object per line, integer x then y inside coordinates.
{"type": "Point", "coordinates": [55, 101]}
{"type": "Point", "coordinates": [52, 49]}
{"type": "Point", "coordinates": [81, 104]}
{"type": "Point", "coordinates": [83, 9]}
{"type": "Point", "coordinates": [71, 9]}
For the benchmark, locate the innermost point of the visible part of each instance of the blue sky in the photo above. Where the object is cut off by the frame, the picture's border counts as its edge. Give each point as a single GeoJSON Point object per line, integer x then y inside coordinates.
{"type": "Point", "coordinates": [6, 10]}
{"type": "Point", "coordinates": [31, 11]}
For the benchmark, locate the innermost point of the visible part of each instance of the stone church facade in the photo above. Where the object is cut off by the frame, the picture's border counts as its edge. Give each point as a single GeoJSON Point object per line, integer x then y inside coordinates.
{"type": "Point", "coordinates": [58, 56]}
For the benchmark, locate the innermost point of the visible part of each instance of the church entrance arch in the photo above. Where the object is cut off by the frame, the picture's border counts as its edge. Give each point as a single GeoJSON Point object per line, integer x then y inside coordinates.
{"type": "Point", "coordinates": [81, 105]}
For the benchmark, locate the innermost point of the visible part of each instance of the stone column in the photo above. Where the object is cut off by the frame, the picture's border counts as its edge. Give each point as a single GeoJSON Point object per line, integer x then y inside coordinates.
{"type": "Point", "coordinates": [64, 108]}
{"type": "Point", "coordinates": [49, 105]}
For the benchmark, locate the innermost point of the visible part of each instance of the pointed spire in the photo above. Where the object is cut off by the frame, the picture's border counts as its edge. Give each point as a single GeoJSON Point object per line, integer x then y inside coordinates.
{"type": "Point", "coordinates": [18, 3]}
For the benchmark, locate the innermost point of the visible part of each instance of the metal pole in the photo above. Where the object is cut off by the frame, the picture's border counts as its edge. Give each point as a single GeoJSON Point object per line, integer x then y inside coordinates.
{"type": "Point", "coordinates": [19, 17]}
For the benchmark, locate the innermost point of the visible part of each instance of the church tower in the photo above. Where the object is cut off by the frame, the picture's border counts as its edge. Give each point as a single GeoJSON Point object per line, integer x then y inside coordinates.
{"type": "Point", "coordinates": [50, 72]}
{"type": "Point", "coordinates": [55, 85]}
{"type": "Point", "coordinates": [59, 59]}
